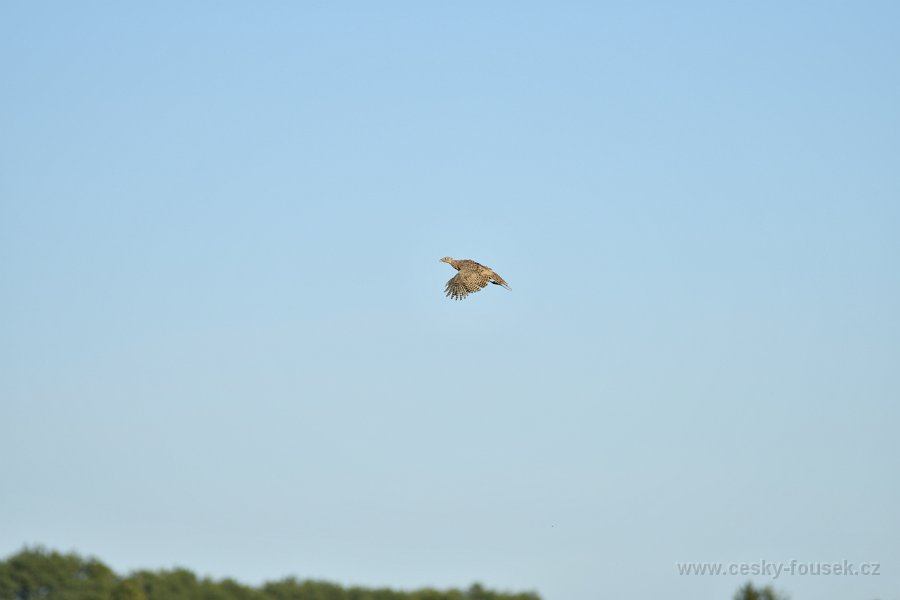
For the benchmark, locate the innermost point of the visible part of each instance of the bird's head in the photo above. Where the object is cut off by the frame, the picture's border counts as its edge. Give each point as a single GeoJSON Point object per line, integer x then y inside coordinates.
{"type": "Point", "coordinates": [446, 259]}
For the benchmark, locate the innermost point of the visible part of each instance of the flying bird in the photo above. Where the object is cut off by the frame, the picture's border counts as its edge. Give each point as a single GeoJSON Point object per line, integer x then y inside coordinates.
{"type": "Point", "coordinates": [471, 278]}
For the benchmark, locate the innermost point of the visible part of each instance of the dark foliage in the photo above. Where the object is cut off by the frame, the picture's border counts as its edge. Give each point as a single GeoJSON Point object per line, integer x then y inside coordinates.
{"type": "Point", "coordinates": [37, 574]}
{"type": "Point", "coordinates": [748, 592]}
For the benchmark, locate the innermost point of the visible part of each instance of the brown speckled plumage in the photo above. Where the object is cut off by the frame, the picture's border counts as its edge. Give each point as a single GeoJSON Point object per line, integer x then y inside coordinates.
{"type": "Point", "coordinates": [471, 278]}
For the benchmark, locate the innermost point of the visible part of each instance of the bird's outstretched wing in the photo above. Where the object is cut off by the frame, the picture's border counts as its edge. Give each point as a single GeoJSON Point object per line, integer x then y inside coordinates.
{"type": "Point", "coordinates": [467, 281]}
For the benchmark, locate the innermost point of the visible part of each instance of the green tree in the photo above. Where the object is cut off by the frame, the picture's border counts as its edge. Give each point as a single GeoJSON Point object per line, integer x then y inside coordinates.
{"type": "Point", "coordinates": [748, 592]}
{"type": "Point", "coordinates": [128, 589]}
{"type": "Point", "coordinates": [39, 574]}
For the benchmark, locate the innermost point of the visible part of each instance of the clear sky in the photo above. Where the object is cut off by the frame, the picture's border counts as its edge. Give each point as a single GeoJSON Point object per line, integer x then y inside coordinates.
{"type": "Point", "coordinates": [224, 342]}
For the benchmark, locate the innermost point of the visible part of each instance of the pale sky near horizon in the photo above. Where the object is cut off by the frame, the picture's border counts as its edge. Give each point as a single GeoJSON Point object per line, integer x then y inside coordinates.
{"type": "Point", "coordinates": [224, 343]}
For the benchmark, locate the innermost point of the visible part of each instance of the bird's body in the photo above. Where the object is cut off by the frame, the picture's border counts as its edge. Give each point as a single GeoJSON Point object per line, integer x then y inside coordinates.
{"type": "Point", "coordinates": [471, 278]}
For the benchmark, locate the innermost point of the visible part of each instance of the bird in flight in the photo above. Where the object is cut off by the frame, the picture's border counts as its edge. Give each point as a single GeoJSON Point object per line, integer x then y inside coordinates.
{"type": "Point", "coordinates": [471, 278]}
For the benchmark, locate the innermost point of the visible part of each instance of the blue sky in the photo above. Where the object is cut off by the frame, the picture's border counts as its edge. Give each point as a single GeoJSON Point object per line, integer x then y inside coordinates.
{"type": "Point", "coordinates": [224, 338]}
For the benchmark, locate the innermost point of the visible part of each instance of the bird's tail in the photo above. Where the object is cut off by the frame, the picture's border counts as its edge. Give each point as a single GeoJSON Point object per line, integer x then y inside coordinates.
{"type": "Point", "coordinates": [497, 280]}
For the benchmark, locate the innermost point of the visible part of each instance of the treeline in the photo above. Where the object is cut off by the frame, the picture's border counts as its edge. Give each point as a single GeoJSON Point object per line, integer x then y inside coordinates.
{"type": "Point", "coordinates": [37, 573]}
